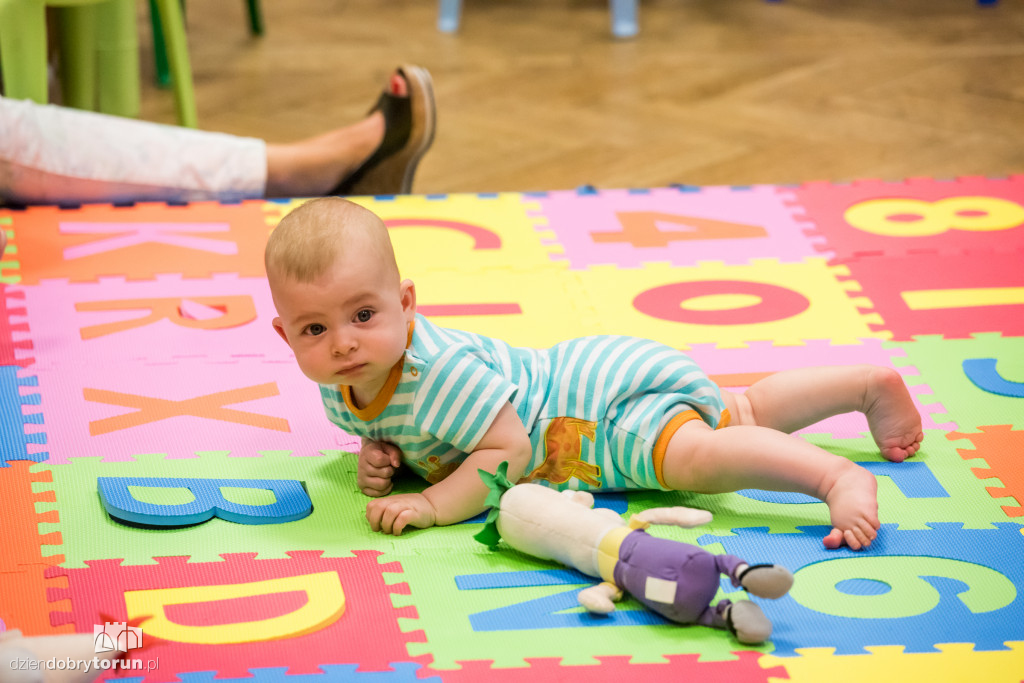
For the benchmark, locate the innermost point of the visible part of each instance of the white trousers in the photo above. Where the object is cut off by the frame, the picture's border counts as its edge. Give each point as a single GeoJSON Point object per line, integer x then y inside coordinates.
{"type": "Point", "coordinates": [56, 155]}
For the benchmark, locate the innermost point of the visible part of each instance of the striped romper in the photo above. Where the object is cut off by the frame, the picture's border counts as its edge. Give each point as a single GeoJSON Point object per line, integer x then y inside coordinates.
{"type": "Point", "coordinates": [599, 410]}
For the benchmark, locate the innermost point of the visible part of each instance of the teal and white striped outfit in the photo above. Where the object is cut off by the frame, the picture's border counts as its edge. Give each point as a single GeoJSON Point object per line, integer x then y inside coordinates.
{"type": "Point", "coordinates": [603, 400]}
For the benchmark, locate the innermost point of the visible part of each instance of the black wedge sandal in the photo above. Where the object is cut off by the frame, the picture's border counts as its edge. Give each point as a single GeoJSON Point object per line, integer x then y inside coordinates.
{"type": "Point", "coordinates": [409, 123]}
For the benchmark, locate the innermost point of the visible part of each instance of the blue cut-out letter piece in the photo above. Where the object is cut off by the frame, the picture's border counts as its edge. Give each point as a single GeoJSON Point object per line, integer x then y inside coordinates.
{"type": "Point", "coordinates": [548, 612]}
{"type": "Point", "coordinates": [291, 502]}
{"type": "Point", "coordinates": [982, 372]}
{"type": "Point", "coordinates": [913, 479]}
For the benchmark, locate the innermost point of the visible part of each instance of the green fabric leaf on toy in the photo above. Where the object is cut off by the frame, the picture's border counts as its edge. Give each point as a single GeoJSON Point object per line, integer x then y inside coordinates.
{"type": "Point", "coordinates": [498, 483]}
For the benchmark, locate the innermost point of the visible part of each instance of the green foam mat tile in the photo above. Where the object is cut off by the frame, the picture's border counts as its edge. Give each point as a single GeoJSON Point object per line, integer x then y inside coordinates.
{"type": "Point", "coordinates": [941, 365]}
{"type": "Point", "coordinates": [515, 623]}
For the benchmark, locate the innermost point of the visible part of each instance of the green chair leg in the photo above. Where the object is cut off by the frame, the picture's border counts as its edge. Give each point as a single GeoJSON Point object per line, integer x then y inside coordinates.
{"type": "Point", "coordinates": [23, 49]}
{"type": "Point", "coordinates": [163, 74]}
{"type": "Point", "coordinates": [255, 17]}
{"type": "Point", "coordinates": [77, 27]}
{"type": "Point", "coordinates": [98, 53]}
{"type": "Point", "coordinates": [117, 50]}
{"type": "Point", "coordinates": [177, 57]}
{"type": "Point", "coordinates": [163, 71]}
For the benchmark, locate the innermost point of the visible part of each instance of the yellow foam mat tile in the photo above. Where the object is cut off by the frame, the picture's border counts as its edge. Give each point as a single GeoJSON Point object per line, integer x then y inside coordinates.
{"type": "Point", "coordinates": [954, 663]}
{"type": "Point", "coordinates": [730, 305]}
{"type": "Point", "coordinates": [541, 310]}
{"type": "Point", "coordinates": [470, 232]}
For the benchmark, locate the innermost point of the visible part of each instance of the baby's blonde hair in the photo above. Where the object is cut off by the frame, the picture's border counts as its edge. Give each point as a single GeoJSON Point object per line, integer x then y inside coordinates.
{"type": "Point", "coordinates": [308, 240]}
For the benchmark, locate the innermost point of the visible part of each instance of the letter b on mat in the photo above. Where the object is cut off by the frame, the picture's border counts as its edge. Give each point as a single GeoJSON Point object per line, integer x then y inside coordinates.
{"type": "Point", "coordinates": [186, 502]}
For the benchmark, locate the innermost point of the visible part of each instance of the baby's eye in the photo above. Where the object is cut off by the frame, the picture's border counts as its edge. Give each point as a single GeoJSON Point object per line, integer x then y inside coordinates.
{"type": "Point", "coordinates": [316, 329]}
{"type": "Point", "coordinates": [364, 315]}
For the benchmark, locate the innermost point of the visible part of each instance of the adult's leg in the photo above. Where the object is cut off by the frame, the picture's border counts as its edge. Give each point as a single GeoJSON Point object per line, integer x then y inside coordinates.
{"type": "Point", "coordinates": [51, 154]}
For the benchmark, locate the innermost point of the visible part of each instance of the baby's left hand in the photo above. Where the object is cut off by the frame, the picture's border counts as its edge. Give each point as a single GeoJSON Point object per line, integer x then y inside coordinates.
{"type": "Point", "coordinates": [393, 513]}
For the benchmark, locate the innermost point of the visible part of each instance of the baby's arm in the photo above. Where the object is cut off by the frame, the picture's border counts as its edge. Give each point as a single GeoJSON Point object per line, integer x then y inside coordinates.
{"type": "Point", "coordinates": [378, 461]}
{"type": "Point", "coordinates": [462, 493]}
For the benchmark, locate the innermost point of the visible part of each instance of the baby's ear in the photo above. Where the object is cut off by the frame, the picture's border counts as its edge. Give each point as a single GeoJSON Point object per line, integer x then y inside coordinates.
{"type": "Point", "coordinates": [279, 328]}
{"type": "Point", "coordinates": [407, 292]}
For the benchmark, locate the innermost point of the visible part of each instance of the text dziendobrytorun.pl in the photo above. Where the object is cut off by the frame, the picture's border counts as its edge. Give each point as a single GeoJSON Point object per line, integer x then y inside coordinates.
{"type": "Point", "coordinates": [86, 665]}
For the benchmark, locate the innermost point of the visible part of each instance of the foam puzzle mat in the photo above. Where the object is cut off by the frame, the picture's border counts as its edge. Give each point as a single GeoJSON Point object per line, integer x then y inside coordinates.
{"type": "Point", "coordinates": [137, 357]}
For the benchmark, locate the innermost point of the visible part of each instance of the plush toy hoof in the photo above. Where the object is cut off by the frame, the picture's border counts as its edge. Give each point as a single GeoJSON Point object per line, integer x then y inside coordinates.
{"type": "Point", "coordinates": [596, 600]}
{"type": "Point", "coordinates": [748, 623]}
{"type": "Point", "coordinates": [766, 580]}
{"type": "Point", "coordinates": [584, 498]}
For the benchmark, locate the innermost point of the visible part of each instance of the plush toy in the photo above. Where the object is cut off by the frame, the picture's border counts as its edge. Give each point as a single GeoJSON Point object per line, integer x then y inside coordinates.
{"type": "Point", "coordinates": [70, 658]}
{"type": "Point", "coordinates": [677, 580]}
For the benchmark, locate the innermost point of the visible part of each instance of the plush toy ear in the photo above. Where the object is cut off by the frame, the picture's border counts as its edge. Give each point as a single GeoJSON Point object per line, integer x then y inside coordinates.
{"type": "Point", "coordinates": [676, 516]}
{"type": "Point", "coordinates": [498, 483]}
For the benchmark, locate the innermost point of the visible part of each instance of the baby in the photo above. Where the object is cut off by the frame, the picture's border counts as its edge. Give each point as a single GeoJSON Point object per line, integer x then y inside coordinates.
{"type": "Point", "coordinates": [599, 413]}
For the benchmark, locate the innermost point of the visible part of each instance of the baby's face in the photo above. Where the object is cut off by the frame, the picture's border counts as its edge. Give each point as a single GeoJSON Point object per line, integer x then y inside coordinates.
{"type": "Point", "coordinates": [348, 327]}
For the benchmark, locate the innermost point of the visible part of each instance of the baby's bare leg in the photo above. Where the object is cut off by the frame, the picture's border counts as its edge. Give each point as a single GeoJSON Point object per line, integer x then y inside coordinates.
{"type": "Point", "coordinates": [793, 399]}
{"type": "Point", "coordinates": [745, 456]}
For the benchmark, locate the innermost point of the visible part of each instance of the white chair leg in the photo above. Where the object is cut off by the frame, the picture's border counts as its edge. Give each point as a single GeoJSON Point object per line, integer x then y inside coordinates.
{"type": "Point", "coordinates": [449, 14]}
{"type": "Point", "coordinates": [624, 24]}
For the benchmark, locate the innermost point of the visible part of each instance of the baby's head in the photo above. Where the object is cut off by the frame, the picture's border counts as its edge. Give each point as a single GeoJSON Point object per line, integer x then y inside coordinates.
{"type": "Point", "coordinates": [341, 304]}
{"type": "Point", "coordinates": [308, 241]}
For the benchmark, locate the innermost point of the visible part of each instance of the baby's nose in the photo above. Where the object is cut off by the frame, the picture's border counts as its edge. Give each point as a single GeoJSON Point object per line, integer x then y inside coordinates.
{"type": "Point", "coordinates": [343, 342]}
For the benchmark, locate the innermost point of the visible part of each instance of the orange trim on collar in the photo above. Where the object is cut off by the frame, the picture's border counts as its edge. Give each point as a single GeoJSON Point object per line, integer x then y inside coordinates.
{"type": "Point", "coordinates": [380, 402]}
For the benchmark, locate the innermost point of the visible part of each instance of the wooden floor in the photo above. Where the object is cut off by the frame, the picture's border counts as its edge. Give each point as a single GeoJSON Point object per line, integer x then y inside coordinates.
{"type": "Point", "coordinates": [537, 95]}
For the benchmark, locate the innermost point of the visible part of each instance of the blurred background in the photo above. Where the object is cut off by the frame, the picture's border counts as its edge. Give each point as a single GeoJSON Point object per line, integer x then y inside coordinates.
{"type": "Point", "coordinates": [538, 95]}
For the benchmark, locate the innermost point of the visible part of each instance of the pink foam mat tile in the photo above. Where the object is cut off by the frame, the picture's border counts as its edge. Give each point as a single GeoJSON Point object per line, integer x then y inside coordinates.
{"type": "Point", "coordinates": [180, 408]}
{"type": "Point", "coordinates": [681, 226]}
{"type": "Point", "coordinates": [735, 369]}
{"type": "Point", "coordinates": [116, 320]}
{"type": "Point", "coordinates": [919, 215]}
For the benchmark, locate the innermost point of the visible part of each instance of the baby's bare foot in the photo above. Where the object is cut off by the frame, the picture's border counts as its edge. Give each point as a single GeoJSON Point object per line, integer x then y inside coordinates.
{"type": "Point", "coordinates": [894, 421]}
{"type": "Point", "coordinates": [853, 507]}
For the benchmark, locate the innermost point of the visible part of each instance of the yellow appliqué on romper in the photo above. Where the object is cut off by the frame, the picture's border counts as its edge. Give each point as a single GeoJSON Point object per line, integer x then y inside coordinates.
{"type": "Point", "coordinates": [434, 470]}
{"type": "Point", "coordinates": [563, 444]}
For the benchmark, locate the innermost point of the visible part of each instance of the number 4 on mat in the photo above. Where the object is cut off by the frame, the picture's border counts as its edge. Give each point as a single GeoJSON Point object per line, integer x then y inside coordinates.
{"type": "Point", "coordinates": [642, 229]}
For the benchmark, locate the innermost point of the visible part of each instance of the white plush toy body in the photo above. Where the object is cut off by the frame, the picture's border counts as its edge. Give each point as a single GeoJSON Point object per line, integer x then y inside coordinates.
{"type": "Point", "coordinates": [677, 580]}
{"type": "Point", "coordinates": [24, 660]}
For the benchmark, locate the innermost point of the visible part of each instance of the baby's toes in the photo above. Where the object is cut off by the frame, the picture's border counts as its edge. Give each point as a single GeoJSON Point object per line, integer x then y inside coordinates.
{"type": "Point", "coordinates": [851, 540]}
{"type": "Point", "coordinates": [857, 539]}
{"type": "Point", "coordinates": [834, 539]}
{"type": "Point", "coordinates": [895, 453]}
